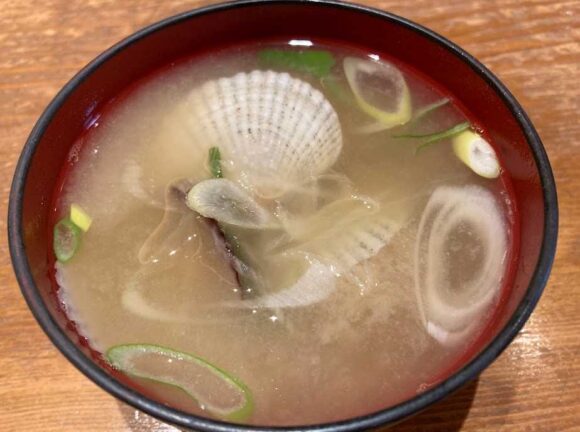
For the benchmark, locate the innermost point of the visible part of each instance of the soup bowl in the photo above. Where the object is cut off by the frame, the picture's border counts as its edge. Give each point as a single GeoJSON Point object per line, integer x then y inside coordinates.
{"type": "Point", "coordinates": [200, 31]}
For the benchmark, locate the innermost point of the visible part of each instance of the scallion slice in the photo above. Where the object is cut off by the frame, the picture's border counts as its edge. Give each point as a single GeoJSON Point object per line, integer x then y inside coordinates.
{"type": "Point", "coordinates": [80, 217]}
{"type": "Point", "coordinates": [477, 154]}
{"type": "Point", "coordinates": [215, 390]}
{"type": "Point", "coordinates": [66, 239]}
{"type": "Point", "coordinates": [227, 203]}
{"type": "Point", "coordinates": [392, 91]}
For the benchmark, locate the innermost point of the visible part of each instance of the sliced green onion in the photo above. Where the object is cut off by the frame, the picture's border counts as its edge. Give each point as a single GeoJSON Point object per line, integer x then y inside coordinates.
{"type": "Point", "coordinates": [357, 70]}
{"type": "Point", "coordinates": [215, 162]}
{"type": "Point", "coordinates": [426, 110]}
{"type": "Point", "coordinates": [80, 217]}
{"type": "Point", "coordinates": [66, 239]}
{"type": "Point", "coordinates": [314, 62]}
{"type": "Point", "coordinates": [227, 203]}
{"type": "Point", "coordinates": [477, 154]}
{"type": "Point", "coordinates": [164, 365]}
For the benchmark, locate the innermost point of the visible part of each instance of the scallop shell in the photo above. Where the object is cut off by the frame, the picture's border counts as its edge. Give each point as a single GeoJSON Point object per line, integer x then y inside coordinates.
{"type": "Point", "coordinates": [313, 286]}
{"type": "Point", "coordinates": [345, 232]}
{"type": "Point", "coordinates": [274, 131]}
{"type": "Point", "coordinates": [361, 241]}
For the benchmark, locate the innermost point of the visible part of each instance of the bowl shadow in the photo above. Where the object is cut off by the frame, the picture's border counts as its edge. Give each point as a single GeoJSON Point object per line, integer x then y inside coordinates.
{"type": "Point", "coordinates": [447, 415]}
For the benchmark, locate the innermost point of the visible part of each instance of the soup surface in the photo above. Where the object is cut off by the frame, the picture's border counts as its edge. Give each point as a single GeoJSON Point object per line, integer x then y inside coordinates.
{"type": "Point", "coordinates": [331, 232]}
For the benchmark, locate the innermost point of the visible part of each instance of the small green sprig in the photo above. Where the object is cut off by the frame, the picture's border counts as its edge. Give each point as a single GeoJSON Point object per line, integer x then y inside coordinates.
{"type": "Point", "coordinates": [215, 162]}
{"type": "Point", "coordinates": [428, 109]}
{"type": "Point", "coordinates": [428, 139]}
{"type": "Point", "coordinates": [314, 62]}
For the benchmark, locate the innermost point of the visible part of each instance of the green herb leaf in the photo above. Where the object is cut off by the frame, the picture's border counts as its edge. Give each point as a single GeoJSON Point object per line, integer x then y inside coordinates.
{"type": "Point", "coordinates": [426, 110]}
{"type": "Point", "coordinates": [66, 240]}
{"type": "Point", "coordinates": [438, 136]}
{"type": "Point", "coordinates": [215, 165]}
{"type": "Point", "coordinates": [338, 90]}
{"type": "Point", "coordinates": [434, 134]}
{"type": "Point", "coordinates": [314, 62]}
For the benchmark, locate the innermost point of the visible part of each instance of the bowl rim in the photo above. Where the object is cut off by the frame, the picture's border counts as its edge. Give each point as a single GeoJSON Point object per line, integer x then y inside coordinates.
{"type": "Point", "coordinates": [386, 416]}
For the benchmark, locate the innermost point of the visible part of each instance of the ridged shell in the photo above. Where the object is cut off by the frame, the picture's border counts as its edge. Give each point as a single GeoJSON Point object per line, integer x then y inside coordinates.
{"type": "Point", "coordinates": [313, 286]}
{"type": "Point", "coordinates": [344, 233]}
{"type": "Point", "coordinates": [345, 249]}
{"type": "Point", "coordinates": [277, 131]}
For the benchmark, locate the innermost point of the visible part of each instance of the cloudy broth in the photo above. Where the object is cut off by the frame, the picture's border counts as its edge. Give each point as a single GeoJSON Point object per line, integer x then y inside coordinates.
{"type": "Point", "coordinates": [340, 283]}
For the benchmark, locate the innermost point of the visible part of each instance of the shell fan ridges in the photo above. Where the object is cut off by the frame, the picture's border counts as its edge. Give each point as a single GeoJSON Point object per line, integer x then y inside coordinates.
{"type": "Point", "coordinates": [276, 130]}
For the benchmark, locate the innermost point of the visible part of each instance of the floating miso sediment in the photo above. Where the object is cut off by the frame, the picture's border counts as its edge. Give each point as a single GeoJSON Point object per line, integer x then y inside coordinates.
{"type": "Point", "coordinates": [267, 246]}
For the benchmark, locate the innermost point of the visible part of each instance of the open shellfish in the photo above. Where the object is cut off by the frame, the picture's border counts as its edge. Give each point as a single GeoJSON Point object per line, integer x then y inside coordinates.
{"type": "Point", "coordinates": [275, 131]}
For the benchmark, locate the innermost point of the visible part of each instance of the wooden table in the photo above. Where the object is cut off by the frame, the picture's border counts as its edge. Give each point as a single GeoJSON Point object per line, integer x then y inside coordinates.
{"type": "Point", "coordinates": [532, 45]}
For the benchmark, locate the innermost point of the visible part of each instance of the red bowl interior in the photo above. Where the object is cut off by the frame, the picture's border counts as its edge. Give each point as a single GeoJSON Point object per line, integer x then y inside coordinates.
{"type": "Point", "coordinates": [146, 53]}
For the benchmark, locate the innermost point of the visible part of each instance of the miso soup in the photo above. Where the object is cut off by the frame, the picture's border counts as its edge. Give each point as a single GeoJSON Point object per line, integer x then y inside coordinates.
{"type": "Point", "coordinates": [282, 234]}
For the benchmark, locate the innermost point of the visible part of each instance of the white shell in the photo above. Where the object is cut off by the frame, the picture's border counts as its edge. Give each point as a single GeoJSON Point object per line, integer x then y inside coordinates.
{"type": "Point", "coordinates": [346, 249]}
{"type": "Point", "coordinates": [275, 131]}
{"type": "Point", "coordinates": [316, 284]}
{"type": "Point", "coordinates": [345, 233]}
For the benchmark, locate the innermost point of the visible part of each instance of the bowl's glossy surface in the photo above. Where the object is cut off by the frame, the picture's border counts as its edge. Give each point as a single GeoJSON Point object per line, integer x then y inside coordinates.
{"type": "Point", "coordinates": [242, 22]}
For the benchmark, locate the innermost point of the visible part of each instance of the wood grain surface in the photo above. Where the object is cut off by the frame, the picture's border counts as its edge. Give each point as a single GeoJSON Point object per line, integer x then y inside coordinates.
{"type": "Point", "coordinates": [532, 45]}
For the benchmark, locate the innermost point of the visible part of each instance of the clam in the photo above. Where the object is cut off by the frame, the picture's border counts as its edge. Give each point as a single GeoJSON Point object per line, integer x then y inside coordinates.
{"type": "Point", "coordinates": [315, 283]}
{"type": "Point", "coordinates": [344, 233]}
{"type": "Point", "coordinates": [277, 134]}
{"type": "Point", "coordinates": [275, 131]}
